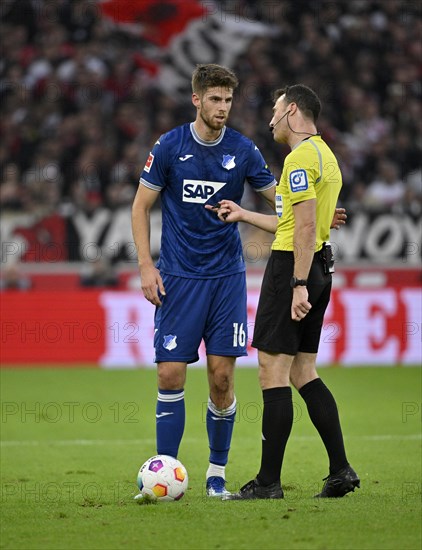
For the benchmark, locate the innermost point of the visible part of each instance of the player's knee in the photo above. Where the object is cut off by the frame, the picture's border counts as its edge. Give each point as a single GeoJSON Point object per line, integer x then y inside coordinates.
{"type": "Point", "coordinates": [169, 379]}
{"type": "Point", "coordinates": [222, 381]}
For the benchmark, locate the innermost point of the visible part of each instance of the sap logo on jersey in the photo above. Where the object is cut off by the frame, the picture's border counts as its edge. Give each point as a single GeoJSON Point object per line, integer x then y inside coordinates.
{"type": "Point", "coordinates": [199, 190]}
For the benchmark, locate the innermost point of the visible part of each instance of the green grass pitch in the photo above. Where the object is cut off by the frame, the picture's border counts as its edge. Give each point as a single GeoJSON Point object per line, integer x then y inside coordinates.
{"type": "Point", "coordinates": [72, 441]}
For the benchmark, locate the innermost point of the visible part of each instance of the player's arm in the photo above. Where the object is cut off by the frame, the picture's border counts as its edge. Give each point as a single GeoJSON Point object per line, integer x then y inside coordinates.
{"type": "Point", "coordinates": [259, 176]}
{"type": "Point", "coordinates": [304, 238]}
{"type": "Point", "coordinates": [141, 229]}
{"type": "Point", "coordinates": [230, 212]}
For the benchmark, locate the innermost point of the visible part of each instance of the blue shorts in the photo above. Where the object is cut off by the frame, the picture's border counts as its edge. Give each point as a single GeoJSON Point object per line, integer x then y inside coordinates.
{"type": "Point", "coordinates": [194, 309]}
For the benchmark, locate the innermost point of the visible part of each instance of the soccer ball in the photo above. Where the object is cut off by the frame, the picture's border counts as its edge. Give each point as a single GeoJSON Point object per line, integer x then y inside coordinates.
{"type": "Point", "coordinates": [163, 477]}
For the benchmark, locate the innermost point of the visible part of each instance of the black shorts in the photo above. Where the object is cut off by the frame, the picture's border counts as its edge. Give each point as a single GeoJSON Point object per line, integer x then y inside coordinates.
{"type": "Point", "coordinates": [275, 331]}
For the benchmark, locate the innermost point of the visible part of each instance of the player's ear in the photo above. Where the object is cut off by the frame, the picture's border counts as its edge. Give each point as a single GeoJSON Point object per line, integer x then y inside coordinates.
{"type": "Point", "coordinates": [196, 100]}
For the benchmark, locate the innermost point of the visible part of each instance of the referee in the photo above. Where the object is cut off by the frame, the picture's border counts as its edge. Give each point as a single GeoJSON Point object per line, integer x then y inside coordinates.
{"type": "Point", "coordinates": [295, 294]}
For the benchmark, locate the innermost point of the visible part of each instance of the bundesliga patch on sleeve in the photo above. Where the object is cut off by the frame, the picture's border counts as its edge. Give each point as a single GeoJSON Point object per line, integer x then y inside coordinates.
{"type": "Point", "coordinates": [298, 181]}
{"type": "Point", "coordinates": [149, 162]}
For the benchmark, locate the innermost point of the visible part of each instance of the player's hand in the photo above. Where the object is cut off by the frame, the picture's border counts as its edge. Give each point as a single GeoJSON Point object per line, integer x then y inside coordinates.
{"type": "Point", "coordinates": [151, 282]}
{"type": "Point", "coordinates": [339, 218]}
{"type": "Point", "coordinates": [227, 211]}
{"type": "Point", "coordinates": [300, 304]}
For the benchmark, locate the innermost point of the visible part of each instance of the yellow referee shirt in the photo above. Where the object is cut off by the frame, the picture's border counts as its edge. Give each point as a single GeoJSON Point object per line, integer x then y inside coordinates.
{"type": "Point", "coordinates": [310, 171]}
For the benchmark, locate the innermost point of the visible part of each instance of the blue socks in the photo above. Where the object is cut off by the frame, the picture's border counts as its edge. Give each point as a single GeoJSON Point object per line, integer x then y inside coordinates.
{"type": "Point", "coordinates": [170, 421]}
{"type": "Point", "coordinates": [220, 423]}
{"type": "Point", "coordinates": [170, 424]}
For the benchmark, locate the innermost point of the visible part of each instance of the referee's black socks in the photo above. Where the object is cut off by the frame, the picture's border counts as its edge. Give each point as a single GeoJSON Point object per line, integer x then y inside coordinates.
{"type": "Point", "coordinates": [322, 409]}
{"type": "Point", "coordinates": [277, 421]}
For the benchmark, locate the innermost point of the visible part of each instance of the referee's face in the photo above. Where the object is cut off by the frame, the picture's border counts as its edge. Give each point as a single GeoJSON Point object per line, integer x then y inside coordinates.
{"type": "Point", "coordinates": [214, 106]}
{"type": "Point", "coordinates": [278, 123]}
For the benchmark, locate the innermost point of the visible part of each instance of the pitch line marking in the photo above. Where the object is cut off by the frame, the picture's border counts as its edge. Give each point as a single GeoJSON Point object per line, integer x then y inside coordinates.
{"type": "Point", "coordinates": [150, 441]}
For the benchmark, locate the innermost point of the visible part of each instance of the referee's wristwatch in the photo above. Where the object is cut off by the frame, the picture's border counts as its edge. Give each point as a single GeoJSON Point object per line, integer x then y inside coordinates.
{"type": "Point", "coordinates": [294, 282]}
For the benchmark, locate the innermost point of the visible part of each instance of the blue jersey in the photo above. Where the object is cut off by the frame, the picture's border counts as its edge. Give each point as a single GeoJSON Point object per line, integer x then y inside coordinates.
{"type": "Point", "coordinates": [190, 172]}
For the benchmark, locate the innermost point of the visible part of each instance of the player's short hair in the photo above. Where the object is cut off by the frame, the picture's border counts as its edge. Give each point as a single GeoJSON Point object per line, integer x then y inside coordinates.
{"type": "Point", "coordinates": [304, 97]}
{"type": "Point", "coordinates": [210, 76]}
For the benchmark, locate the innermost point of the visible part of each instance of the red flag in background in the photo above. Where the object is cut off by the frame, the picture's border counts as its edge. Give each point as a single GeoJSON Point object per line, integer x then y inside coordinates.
{"type": "Point", "coordinates": [185, 33]}
{"type": "Point", "coordinates": [158, 20]}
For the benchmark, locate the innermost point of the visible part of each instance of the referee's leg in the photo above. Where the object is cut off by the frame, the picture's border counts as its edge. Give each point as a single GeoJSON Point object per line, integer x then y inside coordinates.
{"type": "Point", "coordinates": [322, 408]}
{"type": "Point", "coordinates": [277, 416]}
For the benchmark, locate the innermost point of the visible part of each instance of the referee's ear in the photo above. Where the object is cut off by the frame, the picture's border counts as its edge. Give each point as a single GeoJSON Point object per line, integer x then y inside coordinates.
{"type": "Point", "coordinates": [293, 108]}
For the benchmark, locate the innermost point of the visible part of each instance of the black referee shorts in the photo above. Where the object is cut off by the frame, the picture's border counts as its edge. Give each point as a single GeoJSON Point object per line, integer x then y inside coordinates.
{"type": "Point", "coordinates": [275, 331]}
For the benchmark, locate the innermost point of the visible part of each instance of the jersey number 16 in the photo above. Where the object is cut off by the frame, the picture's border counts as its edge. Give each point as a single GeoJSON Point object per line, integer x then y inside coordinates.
{"type": "Point", "coordinates": [239, 335]}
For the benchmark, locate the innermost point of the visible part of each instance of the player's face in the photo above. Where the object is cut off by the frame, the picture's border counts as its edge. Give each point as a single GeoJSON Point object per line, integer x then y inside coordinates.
{"type": "Point", "coordinates": [279, 120]}
{"type": "Point", "coordinates": [214, 107]}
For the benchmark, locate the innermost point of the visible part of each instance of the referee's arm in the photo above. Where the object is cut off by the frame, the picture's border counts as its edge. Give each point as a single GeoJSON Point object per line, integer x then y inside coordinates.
{"type": "Point", "coordinates": [304, 238]}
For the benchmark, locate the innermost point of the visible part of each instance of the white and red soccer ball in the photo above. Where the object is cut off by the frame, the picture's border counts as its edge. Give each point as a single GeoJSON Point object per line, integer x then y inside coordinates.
{"type": "Point", "coordinates": [163, 477]}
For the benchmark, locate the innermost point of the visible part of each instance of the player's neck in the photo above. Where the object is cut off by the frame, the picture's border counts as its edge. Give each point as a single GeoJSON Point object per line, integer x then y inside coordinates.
{"type": "Point", "coordinates": [205, 132]}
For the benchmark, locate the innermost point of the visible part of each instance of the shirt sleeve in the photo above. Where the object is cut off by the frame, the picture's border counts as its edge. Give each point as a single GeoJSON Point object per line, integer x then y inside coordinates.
{"type": "Point", "coordinates": [302, 173]}
{"type": "Point", "coordinates": [154, 173]}
{"type": "Point", "coordinates": [258, 175]}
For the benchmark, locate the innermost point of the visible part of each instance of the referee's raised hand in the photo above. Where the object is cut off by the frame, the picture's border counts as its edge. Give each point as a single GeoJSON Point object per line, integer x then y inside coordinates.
{"type": "Point", "coordinates": [227, 211]}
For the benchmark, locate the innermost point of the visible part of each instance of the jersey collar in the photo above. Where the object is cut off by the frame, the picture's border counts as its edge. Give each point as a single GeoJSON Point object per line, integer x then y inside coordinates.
{"type": "Point", "coordinates": [306, 139]}
{"type": "Point", "coordinates": [202, 141]}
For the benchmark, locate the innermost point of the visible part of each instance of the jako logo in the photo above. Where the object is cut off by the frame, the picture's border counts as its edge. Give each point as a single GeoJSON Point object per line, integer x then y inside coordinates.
{"type": "Point", "coordinates": [200, 191]}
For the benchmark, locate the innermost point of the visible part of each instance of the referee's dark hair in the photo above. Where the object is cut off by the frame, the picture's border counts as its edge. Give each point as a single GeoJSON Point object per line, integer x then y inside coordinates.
{"type": "Point", "coordinates": [304, 97]}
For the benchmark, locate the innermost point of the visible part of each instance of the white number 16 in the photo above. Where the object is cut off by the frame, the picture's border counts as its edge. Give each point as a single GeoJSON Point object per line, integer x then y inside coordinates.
{"type": "Point", "coordinates": [239, 335]}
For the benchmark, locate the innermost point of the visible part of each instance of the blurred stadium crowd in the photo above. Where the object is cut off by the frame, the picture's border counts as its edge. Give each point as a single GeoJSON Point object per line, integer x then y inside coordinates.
{"type": "Point", "coordinates": [81, 105]}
